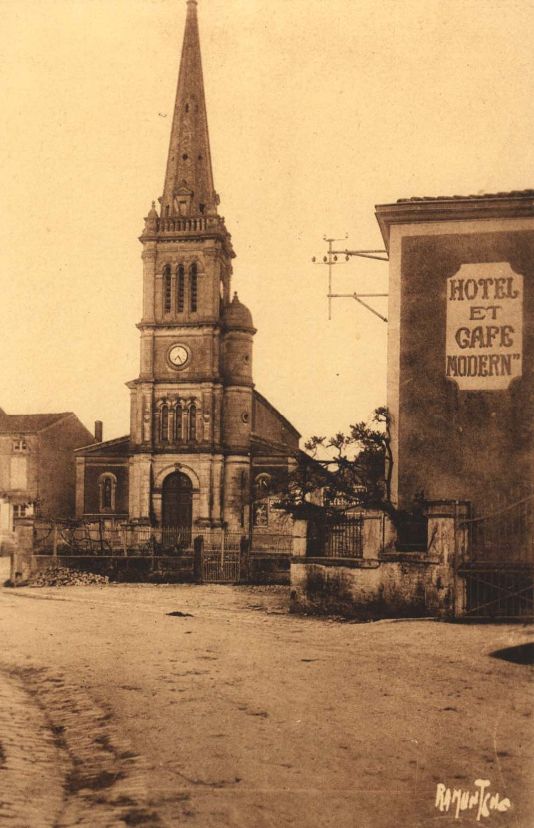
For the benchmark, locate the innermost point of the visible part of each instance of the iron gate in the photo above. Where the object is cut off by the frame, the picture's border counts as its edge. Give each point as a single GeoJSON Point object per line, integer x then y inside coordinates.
{"type": "Point", "coordinates": [221, 558]}
{"type": "Point", "coordinates": [495, 557]}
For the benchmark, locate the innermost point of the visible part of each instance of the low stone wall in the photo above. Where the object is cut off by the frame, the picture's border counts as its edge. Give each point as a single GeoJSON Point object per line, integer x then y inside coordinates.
{"type": "Point", "coordinates": [257, 567]}
{"type": "Point", "coordinates": [267, 568]}
{"type": "Point", "coordinates": [384, 583]}
{"type": "Point", "coordinates": [359, 589]}
{"type": "Point", "coordinates": [161, 569]}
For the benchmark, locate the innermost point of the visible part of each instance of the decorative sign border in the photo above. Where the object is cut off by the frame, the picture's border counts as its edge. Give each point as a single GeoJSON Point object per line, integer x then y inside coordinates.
{"type": "Point", "coordinates": [484, 326]}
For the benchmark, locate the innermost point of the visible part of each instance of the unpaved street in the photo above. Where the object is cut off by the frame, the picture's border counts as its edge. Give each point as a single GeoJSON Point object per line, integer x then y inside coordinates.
{"type": "Point", "coordinates": [238, 714]}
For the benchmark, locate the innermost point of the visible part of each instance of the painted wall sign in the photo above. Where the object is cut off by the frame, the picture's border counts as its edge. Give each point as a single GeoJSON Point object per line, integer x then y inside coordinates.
{"type": "Point", "coordinates": [484, 343]}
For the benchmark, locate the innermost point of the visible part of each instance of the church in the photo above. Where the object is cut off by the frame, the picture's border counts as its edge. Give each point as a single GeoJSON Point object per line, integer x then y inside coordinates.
{"type": "Point", "coordinates": [204, 448]}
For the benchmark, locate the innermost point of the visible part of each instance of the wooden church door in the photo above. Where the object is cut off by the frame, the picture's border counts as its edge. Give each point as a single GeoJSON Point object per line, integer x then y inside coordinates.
{"type": "Point", "coordinates": [177, 503]}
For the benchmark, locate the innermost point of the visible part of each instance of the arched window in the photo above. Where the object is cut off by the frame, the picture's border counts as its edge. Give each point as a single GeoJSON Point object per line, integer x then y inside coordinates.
{"type": "Point", "coordinates": [193, 286]}
{"type": "Point", "coordinates": [192, 423]}
{"type": "Point", "coordinates": [178, 423]}
{"type": "Point", "coordinates": [180, 299]}
{"type": "Point", "coordinates": [262, 486]}
{"type": "Point", "coordinates": [107, 492]}
{"type": "Point", "coordinates": [165, 424]}
{"type": "Point", "coordinates": [167, 288]}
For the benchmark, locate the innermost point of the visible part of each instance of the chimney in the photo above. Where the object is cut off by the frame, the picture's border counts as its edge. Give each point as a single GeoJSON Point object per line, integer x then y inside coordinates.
{"type": "Point", "coordinates": [99, 431]}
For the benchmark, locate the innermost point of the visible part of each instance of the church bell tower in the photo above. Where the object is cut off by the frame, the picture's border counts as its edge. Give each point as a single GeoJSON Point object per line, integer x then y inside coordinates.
{"type": "Point", "coordinates": [191, 406]}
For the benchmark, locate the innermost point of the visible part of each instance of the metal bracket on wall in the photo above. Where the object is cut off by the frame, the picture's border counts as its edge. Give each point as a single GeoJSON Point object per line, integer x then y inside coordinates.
{"type": "Point", "coordinates": [331, 259]}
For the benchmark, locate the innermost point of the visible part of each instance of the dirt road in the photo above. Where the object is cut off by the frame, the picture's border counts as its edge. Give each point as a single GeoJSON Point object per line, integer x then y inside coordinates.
{"type": "Point", "coordinates": [238, 714]}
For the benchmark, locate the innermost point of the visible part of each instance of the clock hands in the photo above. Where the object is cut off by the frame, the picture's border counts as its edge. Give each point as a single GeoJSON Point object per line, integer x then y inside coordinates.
{"type": "Point", "coordinates": [178, 356]}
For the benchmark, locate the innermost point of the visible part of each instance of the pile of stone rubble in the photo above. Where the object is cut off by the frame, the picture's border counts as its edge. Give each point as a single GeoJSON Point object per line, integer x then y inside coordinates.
{"type": "Point", "coordinates": [60, 576]}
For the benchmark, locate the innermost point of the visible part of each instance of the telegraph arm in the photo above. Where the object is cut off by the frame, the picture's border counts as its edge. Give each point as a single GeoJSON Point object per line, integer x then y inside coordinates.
{"type": "Point", "coordinates": [366, 254]}
{"type": "Point", "coordinates": [358, 296]}
{"type": "Point", "coordinates": [331, 259]}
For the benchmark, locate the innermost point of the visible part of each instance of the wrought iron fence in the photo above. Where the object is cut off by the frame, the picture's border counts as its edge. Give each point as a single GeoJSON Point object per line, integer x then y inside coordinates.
{"type": "Point", "coordinates": [340, 537]}
{"type": "Point", "coordinates": [110, 537]}
{"type": "Point", "coordinates": [496, 556]}
{"type": "Point", "coordinates": [216, 539]}
{"type": "Point", "coordinates": [499, 592]}
{"type": "Point", "coordinates": [503, 531]}
{"type": "Point", "coordinates": [208, 555]}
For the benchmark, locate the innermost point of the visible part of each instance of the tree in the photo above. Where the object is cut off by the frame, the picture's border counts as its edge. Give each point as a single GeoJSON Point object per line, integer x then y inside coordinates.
{"type": "Point", "coordinates": [355, 472]}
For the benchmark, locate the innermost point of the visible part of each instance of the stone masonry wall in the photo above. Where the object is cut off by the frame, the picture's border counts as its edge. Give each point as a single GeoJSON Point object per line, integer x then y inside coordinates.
{"type": "Point", "coordinates": [384, 583]}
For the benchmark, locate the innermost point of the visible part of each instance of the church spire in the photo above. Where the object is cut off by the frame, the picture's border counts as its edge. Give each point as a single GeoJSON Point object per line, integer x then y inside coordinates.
{"type": "Point", "coordinates": [188, 188]}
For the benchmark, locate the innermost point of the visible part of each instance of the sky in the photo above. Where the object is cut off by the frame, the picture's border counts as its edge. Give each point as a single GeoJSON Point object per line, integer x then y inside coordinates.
{"type": "Point", "coordinates": [318, 110]}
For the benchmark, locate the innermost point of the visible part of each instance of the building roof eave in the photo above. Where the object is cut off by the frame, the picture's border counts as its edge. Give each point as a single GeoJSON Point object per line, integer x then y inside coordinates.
{"type": "Point", "coordinates": [517, 204]}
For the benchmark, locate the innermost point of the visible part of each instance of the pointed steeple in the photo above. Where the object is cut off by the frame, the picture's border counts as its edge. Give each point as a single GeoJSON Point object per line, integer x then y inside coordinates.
{"type": "Point", "coordinates": [188, 188]}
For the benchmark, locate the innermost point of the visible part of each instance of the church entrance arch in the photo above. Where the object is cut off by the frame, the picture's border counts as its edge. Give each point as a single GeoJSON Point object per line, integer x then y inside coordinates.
{"type": "Point", "coordinates": [177, 506]}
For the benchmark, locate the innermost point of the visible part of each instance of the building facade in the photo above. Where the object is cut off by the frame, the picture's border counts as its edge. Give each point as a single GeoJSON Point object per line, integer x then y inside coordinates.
{"type": "Point", "coordinates": [37, 473]}
{"type": "Point", "coordinates": [461, 345]}
{"type": "Point", "coordinates": [461, 401]}
{"type": "Point", "coordinates": [203, 442]}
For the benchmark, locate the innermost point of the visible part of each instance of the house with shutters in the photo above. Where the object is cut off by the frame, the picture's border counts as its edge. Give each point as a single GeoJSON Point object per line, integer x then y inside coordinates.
{"type": "Point", "coordinates": [37, 470]}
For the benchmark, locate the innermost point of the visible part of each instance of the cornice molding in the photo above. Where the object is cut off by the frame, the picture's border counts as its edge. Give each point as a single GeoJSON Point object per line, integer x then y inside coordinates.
{"type": "Point", "coordinates": [451, 209]}
{"type": "Point", "coordinates": [175, 327]}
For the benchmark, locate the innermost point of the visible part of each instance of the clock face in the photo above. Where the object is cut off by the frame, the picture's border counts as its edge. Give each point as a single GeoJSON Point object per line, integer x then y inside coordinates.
{"type": "Point", "coordinates": [178, 356]}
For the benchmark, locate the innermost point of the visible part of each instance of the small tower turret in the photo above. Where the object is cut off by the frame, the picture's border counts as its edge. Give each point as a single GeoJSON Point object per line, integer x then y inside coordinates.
{"type": "Point", "coordinates": [238, 331]}
{"type": "Point", "coordinates": [236, 358]}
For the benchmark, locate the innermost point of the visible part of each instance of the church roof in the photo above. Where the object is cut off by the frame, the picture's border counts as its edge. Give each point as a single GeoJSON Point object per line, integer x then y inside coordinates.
{"type": "Point", "coordinates": [189, 170]}
{"type": "Point", "coordinates": [237, 315]}
{"type": "Point", "coordinates": [28, 423]}
{"type": "Point", "coordinates": [116, 447]}
{"type": "Point", "coordinates": [289, 426]}
{"type": "Point", "coordinates": [262, 447]}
